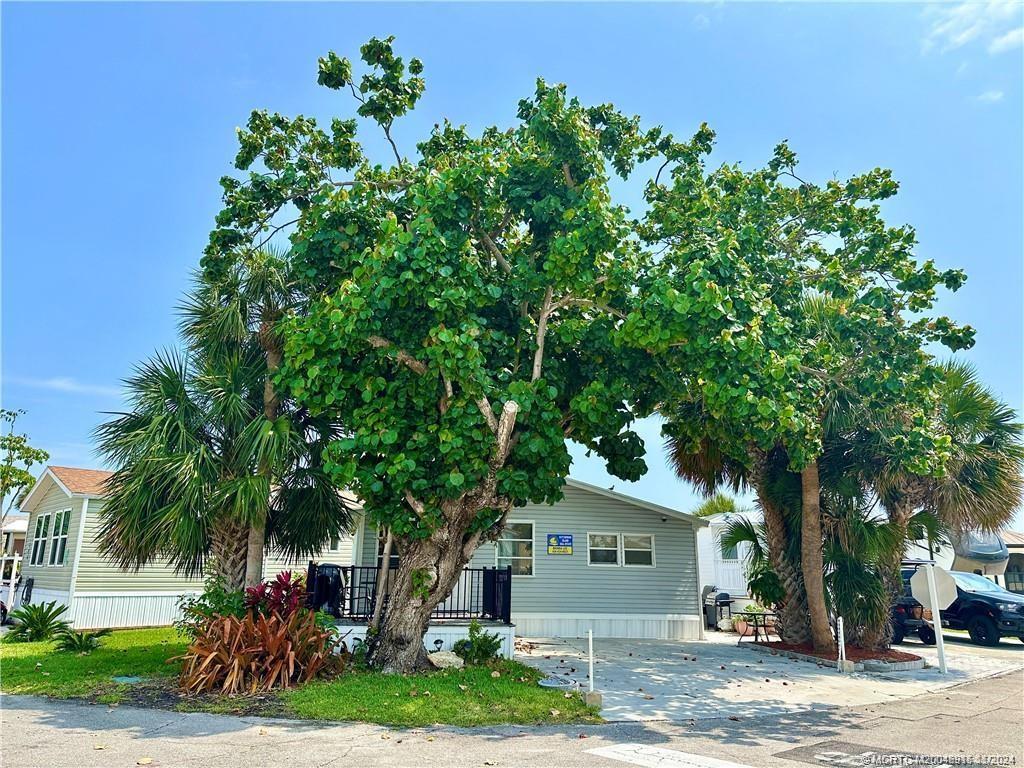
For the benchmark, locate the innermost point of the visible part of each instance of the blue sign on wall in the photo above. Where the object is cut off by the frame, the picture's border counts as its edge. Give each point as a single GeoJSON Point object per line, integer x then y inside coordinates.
{"type": "Point", "coordinates": [559, 543]}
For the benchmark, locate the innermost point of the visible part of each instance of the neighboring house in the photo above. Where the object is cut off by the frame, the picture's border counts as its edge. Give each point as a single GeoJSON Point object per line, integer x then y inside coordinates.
{"type": "Point", "coordinates": [595, 560]}
{"type": "Point", "coordinates": [12, 535]}
{"type": "Point", "coordinates": [63, 560]}
{"type": "Point", "coordinates": [1013, 576]}
{"type": "Point", "coordinates": [723, 567]}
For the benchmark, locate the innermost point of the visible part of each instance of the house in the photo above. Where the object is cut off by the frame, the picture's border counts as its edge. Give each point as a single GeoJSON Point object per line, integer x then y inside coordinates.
{"type": "Point", "coordinates": [595, 560]}
{"type": "Point", "coordinates": [12, 535]}
{"type": "Point", "coordinates": [1013, 576]}
{"type": "Point", "coordinates": [724, 567]}
{"type": "Point", "coordinates": [63, 560]}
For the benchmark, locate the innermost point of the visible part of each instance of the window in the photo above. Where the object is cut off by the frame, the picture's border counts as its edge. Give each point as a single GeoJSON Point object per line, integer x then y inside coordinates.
{"type": "Point", "coordinates": [515, 548]}
{"type": "Point", "coordinates": [730, 553]}
{"type": "Point", "coordinates": [603, 548]}
{"type": "Point", "coordinates": [42, 530]}
{"type": "Point", "coordinates": [335, 542]}
{"type": "Point", "coordinates": [625, 549]}
{"type": "Point", "coordinates": [637, 549]}
{"type": "Point", "coordinates": [59, 542]}
{"type": "Point", "coordinates": [393, 556]}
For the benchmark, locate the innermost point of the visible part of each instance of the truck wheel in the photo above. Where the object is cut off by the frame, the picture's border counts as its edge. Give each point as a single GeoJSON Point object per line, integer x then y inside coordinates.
{"type": "Point", "coordinates": [898, 633]}
{"type": "Point", "coordinates": [927, 635]}
{"type": "Point", "coordinates": [983, 630]}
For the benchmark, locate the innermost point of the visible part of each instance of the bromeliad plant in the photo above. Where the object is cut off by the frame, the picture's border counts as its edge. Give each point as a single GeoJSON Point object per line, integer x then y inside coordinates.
{"type": "Point", "coordinates": [71, 641]}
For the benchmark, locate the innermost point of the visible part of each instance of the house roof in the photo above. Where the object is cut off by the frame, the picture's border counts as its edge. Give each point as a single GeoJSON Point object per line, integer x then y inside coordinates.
{"type": "Point", "coordinates": [667, 511]}
{"type": "Point", "coordinates": [1012, 538]}
{"type": "Point", "coordinates": [88, 482]}
{"type": "Point", "coordinates": [73, 481]}
{"type": "Point", "coordinates": [16, 524]}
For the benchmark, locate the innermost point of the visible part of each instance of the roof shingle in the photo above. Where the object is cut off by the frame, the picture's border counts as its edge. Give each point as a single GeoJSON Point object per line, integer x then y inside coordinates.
{"type": "Point", "coordinates": [91, 482]}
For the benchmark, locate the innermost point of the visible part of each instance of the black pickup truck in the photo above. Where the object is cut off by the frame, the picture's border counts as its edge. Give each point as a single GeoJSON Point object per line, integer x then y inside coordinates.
{"type": "Point", "coordinates": [987, 611]}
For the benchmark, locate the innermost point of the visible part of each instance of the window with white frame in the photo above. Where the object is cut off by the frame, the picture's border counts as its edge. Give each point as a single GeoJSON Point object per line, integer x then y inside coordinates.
{"type": "Point", "coordinates": [515, 548]}
{"type": "Point", "coordinates": [603, 549]}
{"type": "Point", "coordinates": [39, 535]}
{"type": "Point", "coordinates": [637, 549]}
{"type": "Point", "coordinates": [630, 550]}
{"type": "Point", "coordinates": [59, 542]}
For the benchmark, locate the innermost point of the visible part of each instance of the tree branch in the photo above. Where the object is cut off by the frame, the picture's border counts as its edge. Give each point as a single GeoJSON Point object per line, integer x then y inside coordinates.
{"type": "Point", "coordinates": [403, 357]}
{"type": "Point", "coordinates": [568, 176]}
{"type": "Point", "coordinates": [494, 251]}
{"type": "Point", "coordinates": [485, 408]}
{"type": "Point", "coordinates": [542, 329]}
{"type": "Point", "coordinates": [504, 434]}
{"type": "Point", "coordinates": [416, 504]}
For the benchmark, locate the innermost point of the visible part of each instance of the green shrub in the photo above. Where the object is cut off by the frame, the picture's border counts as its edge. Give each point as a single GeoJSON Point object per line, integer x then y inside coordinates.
{"type": "Point", "coordinates": [480, 647]}
{"type": "Point", "coordinates": [37, 622]}
{"type": "Point", "coordinates": [215, 601]}
{"type": "Point", "coordinates": [80, 642]}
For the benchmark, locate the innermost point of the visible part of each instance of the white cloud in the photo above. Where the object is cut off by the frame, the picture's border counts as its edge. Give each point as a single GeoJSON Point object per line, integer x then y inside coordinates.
{"type": "Point", "coordinates": [954, 26]}
{"type": "Point", "coordinates": [1012, 39]}
{"type": "Point", "coordinates": [69, 385]}
{"type": "Point", "coordinates": [990, 97]}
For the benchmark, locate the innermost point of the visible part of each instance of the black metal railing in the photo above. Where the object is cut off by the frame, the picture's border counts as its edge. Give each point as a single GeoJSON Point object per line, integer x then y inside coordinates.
{"type": "Point", "coordinates": [349, 591]}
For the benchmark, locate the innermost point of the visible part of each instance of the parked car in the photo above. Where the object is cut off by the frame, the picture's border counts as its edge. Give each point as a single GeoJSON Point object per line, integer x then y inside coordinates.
{"type": "Point", "coordinates": [908, 615]}
{"type": "Point", "coordinates": [987, 611]}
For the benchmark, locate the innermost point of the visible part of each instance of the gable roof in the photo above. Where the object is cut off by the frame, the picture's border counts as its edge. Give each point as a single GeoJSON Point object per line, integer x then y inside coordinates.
{"type": "Point", "coordinates": [73, 481]}
{"type": "Point", "coordinates": [89, 482]}
{"type": "Point", "coordinates": [648, 505]}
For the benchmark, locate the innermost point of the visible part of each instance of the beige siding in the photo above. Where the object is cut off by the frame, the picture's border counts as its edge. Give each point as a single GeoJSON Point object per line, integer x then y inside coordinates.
{"type": "Point", "coordinates": [98, 574]}
{"type": "Point", "coordinates": [275, 561]}
{"type": "Point", "coordinates": [567, 584]}
{"type": "Point", "coordinates": [45, 576]}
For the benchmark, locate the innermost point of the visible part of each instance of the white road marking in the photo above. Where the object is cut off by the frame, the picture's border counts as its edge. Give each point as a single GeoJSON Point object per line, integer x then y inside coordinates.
{"type": "Point", "coordinates": [657, 757]}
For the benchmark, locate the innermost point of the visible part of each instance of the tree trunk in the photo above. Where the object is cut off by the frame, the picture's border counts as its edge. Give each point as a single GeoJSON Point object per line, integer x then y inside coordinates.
{"type": "Point", "coordinates": [257, 539]}
{"type": "Point", "coordinates": [427, 572]}
{"type": "Point", "coordinates": [880, 637]}
{"type": "Point", "coordinates": [812, 560]}
{"type": "Point", "coordinates": [228, 554]}
{"type": "Point", "coordinates": [793, 623]}
{"type": "Point", "coordinates": [382, 581]}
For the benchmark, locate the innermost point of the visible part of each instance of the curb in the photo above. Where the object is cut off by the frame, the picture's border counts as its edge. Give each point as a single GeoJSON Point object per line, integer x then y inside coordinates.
{"type": "Point", "coordinates": [858, 666]}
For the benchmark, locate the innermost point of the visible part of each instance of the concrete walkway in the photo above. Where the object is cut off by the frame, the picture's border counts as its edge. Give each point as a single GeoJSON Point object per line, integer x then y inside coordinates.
{"type": "Point", "coordinates": [644, 680]}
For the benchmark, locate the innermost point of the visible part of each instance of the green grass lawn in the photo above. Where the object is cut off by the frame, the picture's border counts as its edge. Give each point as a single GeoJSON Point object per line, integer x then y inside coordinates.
{"type": "Point", "coordinates": [39, 669]}
{"type": "Point", "coordinates": [471, 696]}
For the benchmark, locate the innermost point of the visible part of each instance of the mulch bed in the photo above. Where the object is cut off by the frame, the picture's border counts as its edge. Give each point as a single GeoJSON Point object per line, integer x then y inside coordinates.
{"type": "Point", "coordinates": [853, 653]}
{"type": "Point", "coordinates": [164, 694]}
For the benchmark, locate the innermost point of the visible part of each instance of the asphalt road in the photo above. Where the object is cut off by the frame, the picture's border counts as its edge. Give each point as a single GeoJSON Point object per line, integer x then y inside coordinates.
{"type": "Point", "coordinates": [984, 718]}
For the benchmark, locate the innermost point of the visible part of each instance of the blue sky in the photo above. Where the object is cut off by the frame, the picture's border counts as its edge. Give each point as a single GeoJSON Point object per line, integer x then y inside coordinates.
{"type": "Point", "coordinates": [119, 119]}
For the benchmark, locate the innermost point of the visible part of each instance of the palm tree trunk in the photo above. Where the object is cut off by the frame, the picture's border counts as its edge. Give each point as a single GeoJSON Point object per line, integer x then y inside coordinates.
{"type": "Point", "coordinates": [879, 637]}
{"type": "Point", "coordinates": [792, 625]}
{"type": "Point", "coordinates": [812, 560]}
{"type": "Point", "coordinates": [257, 539]}
{"type": "Point", "coordinates": [228, 554]}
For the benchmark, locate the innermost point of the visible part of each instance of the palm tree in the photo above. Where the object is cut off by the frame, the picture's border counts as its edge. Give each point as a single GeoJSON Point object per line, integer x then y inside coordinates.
{"type": "Point", "coordinates": [245, 306]}
{"type": "Point", "coordinates": [210, 452]}
{"type": "Point", "coordinates": [710, 469]}
{"type": "Point", "coordinates": [984, 479]}
{"type": "Point", "coordinates": [718, 504]}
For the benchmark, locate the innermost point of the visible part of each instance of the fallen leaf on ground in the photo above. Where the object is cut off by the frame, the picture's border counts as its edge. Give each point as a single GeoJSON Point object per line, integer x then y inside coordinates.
{"type": "Point", "coordinates": [144, 761]}
{"type": "Point", "coordinates": [495, 673]}
{"type": "Point", "coordinates": [648, 697]}
{"type": "Point", "coordinates": [555, 712]}
{"type": "Point", "coordinates": [463, 687]}
{"type": "Point", "coordinates": [100, 746]}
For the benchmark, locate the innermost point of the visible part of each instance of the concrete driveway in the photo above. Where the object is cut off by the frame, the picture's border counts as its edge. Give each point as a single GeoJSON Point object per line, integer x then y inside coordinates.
{"type": "Point", "coordinates": [715, 678]}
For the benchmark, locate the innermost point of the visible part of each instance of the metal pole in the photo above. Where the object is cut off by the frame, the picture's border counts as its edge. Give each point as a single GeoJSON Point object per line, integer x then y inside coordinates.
{"type": "Point", "coordinates": [590, 655]}
{"type": "Point", "coordinates": [933, 598]}
{"type": "Point", "coordinates": [841, 637]}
